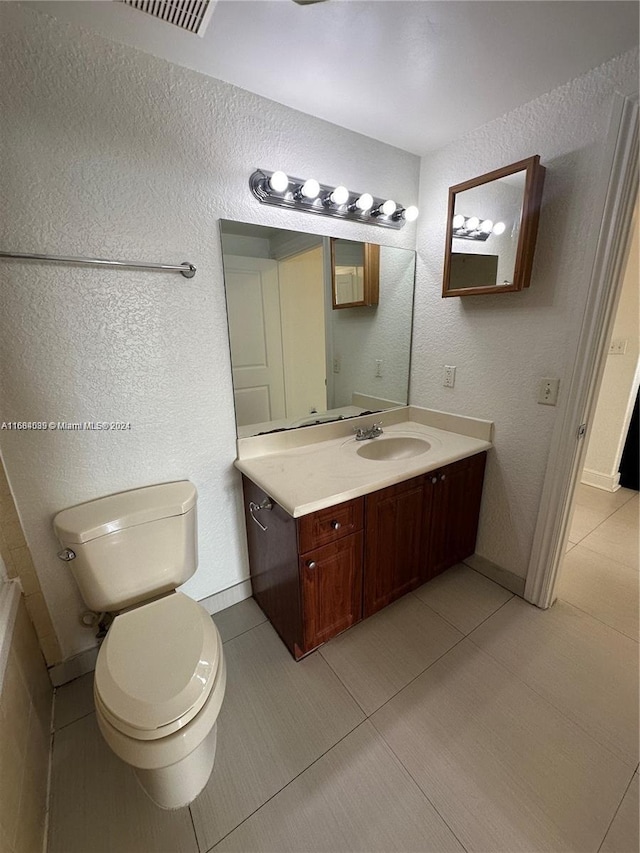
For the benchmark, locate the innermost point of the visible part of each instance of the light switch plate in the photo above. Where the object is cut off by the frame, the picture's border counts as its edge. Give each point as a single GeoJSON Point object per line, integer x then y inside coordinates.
{"type": "Point", "coordinates": [548, 391]}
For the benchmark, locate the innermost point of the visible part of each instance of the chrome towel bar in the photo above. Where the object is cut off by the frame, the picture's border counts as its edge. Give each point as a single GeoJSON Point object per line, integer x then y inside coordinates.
{"type": "Point", "coordinates": [186, 269]}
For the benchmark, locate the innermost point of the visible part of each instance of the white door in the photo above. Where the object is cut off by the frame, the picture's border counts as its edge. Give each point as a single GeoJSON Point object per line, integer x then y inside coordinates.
{"type": "Point", "coordinates": [253, 305]}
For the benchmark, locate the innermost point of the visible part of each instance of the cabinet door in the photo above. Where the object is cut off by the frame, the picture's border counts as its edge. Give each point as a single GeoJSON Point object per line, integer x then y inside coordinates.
{"type": "Point", "coordinates": [331, 589]}
{"type": "Point", "coordinates": [394, 556]}
{"type": "Point", "coordinates": [452, 523]}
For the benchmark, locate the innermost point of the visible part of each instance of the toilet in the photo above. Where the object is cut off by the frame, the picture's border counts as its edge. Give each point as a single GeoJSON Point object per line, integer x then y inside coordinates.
{"type": "Point", "coordinates": [160, 675]}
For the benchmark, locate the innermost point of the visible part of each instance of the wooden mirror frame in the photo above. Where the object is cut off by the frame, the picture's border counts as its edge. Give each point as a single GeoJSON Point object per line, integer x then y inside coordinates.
{"type": "Point", "coordinates": [529, 216]}
{"type": "Point", "coordinates": [371, 276]}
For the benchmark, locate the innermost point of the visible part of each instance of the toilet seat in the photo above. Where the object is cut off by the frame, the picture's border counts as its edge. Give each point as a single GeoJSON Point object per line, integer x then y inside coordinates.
{"type": "Point", "coordinates": [157, 666]}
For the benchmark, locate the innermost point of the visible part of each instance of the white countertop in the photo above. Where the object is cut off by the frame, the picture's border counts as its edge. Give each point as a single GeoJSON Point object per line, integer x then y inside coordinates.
{"type": "Point", "coordinates": [327, 471]}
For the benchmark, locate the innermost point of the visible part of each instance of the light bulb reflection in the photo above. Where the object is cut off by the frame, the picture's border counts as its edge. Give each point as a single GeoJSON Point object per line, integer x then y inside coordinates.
{"type": "Point", "coordinates": [472, 223]}
{"type": "Point", "coordinates": [499, 228]}
{"type": "Point", "coordinates": [458, 220]}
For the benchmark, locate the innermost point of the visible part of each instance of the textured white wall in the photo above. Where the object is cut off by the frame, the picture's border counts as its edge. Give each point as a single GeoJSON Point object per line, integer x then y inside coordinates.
{"type": "Point", "coordinates": [503, 344]}
{"type": "Point", "coordinates": [110, 152]}
{"type": "Point", "coordinates": [620, 381]}
{"type": "Point", "coordinates": [362, 335]}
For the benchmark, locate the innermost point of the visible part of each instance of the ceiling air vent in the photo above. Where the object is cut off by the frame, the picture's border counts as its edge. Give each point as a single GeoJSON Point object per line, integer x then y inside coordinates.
{"type": "Point", "coordinates": [190, 15]}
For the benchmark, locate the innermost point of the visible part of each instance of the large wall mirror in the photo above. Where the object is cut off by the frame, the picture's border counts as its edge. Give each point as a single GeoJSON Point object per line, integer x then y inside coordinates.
{"type": "Point", "coordinates": [491, 230]}
{"type": "Point", "coordinates": [295, 360]}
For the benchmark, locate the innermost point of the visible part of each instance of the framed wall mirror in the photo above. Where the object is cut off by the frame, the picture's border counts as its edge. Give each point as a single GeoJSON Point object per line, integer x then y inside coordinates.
{"type": "Point", "coordinates": [355, 273]}
{"type": "Point", "coordinates": [295, 361]}
{"type": "Point", "coordinates": [492, 226]}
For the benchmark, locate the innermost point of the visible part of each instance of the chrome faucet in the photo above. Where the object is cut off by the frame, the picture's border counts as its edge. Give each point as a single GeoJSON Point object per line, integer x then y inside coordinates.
{"type": "Point", "coordinates": [364, 434]}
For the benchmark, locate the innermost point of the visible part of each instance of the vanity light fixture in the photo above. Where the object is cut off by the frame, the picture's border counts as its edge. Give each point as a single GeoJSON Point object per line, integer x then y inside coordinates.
{"type": "Point", "coordinates": [308, 195]}
{"type": "Point", "coordinates": [409, 214]}
{"type": "Point", "coordinates": [473, 228]}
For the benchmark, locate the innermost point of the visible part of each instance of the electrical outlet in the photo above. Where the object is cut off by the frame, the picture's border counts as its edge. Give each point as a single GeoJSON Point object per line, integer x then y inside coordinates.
{"type": "Point", "coordinates": [548, 391]}
{"type": "Point", "coordinates": [336, 365]}
{"type": "Point", "coordinates": [449, 376]}
{"type": "Point", "coordinates": [378, 367]}
{"type": "Point", "coordinates": [618, 347]}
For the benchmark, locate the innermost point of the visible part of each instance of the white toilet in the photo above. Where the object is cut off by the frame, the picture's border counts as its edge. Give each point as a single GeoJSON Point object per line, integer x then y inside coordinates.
{"type": "Point", "coordinates": [160, 675]}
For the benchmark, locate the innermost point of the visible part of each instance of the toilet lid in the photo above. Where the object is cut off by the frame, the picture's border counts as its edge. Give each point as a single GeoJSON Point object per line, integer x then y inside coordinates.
{"type": "Point", "coordinates": [157, 666]}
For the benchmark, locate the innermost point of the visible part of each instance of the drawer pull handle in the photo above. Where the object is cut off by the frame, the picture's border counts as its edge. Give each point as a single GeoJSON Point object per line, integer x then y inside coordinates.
{"type": "Point", "coordinates": [336, 525]}
{"type": "Point", "coordinates": [311, 564]}
{"type": "Point", "coordinates": [434, 480]}
{"type": "Point", "coordinates": [254, 507]}
{"type": "Point", "coordinates": [443, 476]}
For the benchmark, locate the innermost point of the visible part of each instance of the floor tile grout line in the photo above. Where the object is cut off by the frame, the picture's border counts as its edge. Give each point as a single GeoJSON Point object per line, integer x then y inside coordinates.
{"type": "Point", "coordinates": [279, 791]}
{"type": "Point", "coordinates": [71, 722]}
{"type": "Point", "coordinates": [604, 556]}
{"type": "Point", "coordinates": [193, 826]}
{"type": "Point", "coordinates": [444, 618]}
{"type": "Point", "coordinates": [552, 704]}
{"type": "Point", "coordinates": [420, 788]}
{"type": "Point", "coordinates": [616, 811]}
{"type": "Point", "coordinates": [597, 618]}
{"type": "Point", "coordinates": [242, 633]}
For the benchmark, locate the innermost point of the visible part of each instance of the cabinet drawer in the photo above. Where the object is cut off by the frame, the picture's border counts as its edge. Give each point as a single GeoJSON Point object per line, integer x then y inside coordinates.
{"type": "Point", "coordinates": [328, 525]}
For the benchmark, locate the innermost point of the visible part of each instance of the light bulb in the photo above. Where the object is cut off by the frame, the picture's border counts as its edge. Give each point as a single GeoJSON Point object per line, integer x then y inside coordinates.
{"type": "Point", "coordinates": [499, 228]}
{"type": "Point", "coordinates": [472, 223]}
{"type": "Point", "coordinates": [411, 213]}
{"type": "Point", "coordinates": [364, 202]}
{"type": "Point", "coordinates": [310, 188]}
{"type": "Point", "coordinates": [340, 195]}
{"type": "Point", "coordinates": [388, 208]}
{"type": "Point", "coordinates": [278, 182]}
{"type": "Point", "coordinates": [486, 226]}
{"type": "Point", "coordinates": [458, 220]}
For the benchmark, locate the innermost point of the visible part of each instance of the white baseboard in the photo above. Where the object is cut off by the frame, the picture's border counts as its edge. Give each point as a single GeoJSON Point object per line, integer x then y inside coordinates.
{"type": "Point", "coordinates": [74, 667]}
{"type": "Point", "coordinates": [226, 597]}
{"type": "Point", "coordinates": [514, 583]}
{"type": "Point", "coordinates": [605, 482]}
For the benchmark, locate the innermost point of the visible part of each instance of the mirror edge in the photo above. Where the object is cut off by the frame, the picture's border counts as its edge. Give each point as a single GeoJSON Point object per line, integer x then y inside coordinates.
{"type": "Point", "coordinates": [529, 220]}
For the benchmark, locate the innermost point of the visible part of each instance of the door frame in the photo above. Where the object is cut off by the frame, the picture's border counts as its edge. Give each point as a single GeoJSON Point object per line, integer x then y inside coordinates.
{"type": "Point", "coordinates": [619, 184]}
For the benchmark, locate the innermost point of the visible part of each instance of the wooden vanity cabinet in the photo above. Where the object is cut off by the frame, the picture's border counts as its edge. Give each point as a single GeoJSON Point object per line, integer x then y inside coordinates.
{"type": "Point", "coordinates": [394, 548]}
{"type": "Point", "coordinates": [318, 575]}
{"type": "Point", "coordinates": [306, 573]}
{"type": "Point", "coordinates": [452, 512]}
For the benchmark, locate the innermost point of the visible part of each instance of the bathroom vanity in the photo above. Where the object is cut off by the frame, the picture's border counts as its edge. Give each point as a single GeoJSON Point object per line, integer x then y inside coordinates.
{"type": "Point", "coordinates": [337, 529]}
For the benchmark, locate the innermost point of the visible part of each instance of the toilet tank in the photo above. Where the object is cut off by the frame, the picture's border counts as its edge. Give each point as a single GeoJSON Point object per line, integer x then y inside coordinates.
{"type": "Point", "coordinates": [133, 545]}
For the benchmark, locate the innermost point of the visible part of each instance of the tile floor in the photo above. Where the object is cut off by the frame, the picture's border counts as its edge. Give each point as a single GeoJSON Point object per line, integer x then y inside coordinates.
{"type": "Point", "coordinates": [459, 718]}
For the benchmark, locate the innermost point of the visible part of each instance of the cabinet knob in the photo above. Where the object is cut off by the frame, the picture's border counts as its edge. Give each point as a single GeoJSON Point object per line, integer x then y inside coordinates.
{"type": "Point", "coordinates": [434, 480]}
{"type": "Point", "coordinates": [443, 476]}
{"type": "Point", "coordinates": [336, 525]}
{"type": "Point", "coordinates": [311, 564]}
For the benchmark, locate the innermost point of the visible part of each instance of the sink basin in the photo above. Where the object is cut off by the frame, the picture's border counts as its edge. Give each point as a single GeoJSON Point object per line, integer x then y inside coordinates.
{"type": "Point", "coordinates": [393, 447]}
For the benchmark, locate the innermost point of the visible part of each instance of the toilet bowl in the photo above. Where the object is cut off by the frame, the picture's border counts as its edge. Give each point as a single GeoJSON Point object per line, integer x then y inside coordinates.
{"type": "Point", "coordinates": [160, 674]}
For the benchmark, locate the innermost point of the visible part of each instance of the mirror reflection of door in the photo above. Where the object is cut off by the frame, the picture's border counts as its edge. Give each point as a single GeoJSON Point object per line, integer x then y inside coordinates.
{"type": "Point", "coordinates": [253, 307]}
{"type": "Point", "coordinates": [277, 335]}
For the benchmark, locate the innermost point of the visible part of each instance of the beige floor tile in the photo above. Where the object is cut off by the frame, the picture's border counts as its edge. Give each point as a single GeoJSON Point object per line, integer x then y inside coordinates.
{"type": "Point", "coordinates": [584, 521]}
{"type": "Point", "coordinates": [97, 805]}
{"type": "Point", "coordinates": [622, 836]}
{"type": "Point", "coordinates": [278, 716]}
{"type": "Point", "coordinates": [586, 669]}
{"type": "Point", "coordinates": [589, 496]}
{"type": "Point", "coordinates": [384, 653]}
{"type": "Point", "coordinates": [505, 769]}
{"type": "Point", "coordinates": [73, 701]}
{"type": "Point", "coordinates": [239, 618]}
{"type": "Point", "coordinates": [463, 597]}
{"type": "Point", "coordinates": [357, 797]}
{"type": "Point", "coordinates": [601, 587]}
{"type": "Point", "coordinates": [617, 538]}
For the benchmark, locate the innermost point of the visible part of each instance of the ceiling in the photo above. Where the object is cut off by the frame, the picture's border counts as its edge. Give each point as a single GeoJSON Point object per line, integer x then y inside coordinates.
{"type": "Point", "coordinates": [413, 74]}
